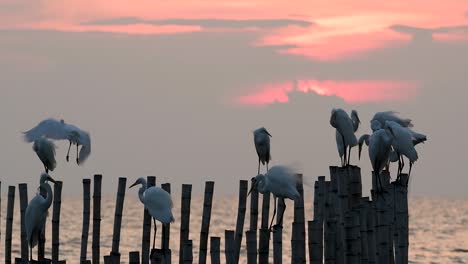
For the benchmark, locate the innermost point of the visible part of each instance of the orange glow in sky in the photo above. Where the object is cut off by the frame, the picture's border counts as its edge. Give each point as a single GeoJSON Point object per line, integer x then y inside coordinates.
{"type": "Point", "coordinates": [349, 91]}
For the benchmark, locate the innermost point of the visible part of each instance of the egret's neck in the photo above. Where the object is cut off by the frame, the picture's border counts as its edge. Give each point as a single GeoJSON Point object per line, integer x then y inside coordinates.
{"type": "Point", "coordinates": [263, 185]}
{"type": "Point", "coordinates": [48, 199]}
{"type": "Point", "coordinates": [141, 192]}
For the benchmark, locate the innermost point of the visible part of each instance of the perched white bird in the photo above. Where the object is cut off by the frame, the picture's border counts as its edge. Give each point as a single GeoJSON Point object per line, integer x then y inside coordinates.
{"type": "Point", "coordinates": [345, 126]}
{"type": "Point", "coordinates": [45, 150]}
{"type": "Point", "coordinates": [157, 201]}
{"type": "Point", "coordinates": [281, 182]}
{"type": "Point", "coordinates": [404, 141]}
{"type": "Point", "coordinates": [381, 117]}
{"type": "Point", "coordinates": [36, 212]}
{"type": "Point", "coordinates": [59, 130]}
{"type": "Point", "coordinates": [380, 145]}
{"type": "Point", "coordinates": [262, 145]}
{"type": "Point", "coordinates": [363, 139]}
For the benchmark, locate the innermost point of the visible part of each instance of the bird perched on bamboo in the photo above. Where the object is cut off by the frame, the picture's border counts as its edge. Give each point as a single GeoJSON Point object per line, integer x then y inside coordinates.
{"type": "Point", "coordinates": [379, 119]}
{"type": "Point", "coordinates": [380, 145]}
{"type": "Point", "coordinates": [345, 127]}
{"type": "Point", "coordinates": [157, 201]}
{"type": "Point", "coordinates": [59, 130]}
{"type": "Point", "coordinates": [37, 211]}
{"type": "Point", "coordinates": [45, 150]}
{"type": "Point", "coordinates": [262, 146]}
{"type": "Point", "coordinates": [281, 182]}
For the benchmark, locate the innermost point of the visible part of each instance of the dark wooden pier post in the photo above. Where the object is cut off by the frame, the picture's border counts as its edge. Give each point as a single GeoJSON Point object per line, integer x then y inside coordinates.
{"type": "Point", "coordinates": [56, 221]}
{"type": "Point", "coordinates": [115, 254]}
{"type": "Point", "coordinates": [147, 222]}
{"type": "Point", "coordinates": [134, 257]}
{"type": "Point", "coordinates": [96, 218]}
{"type": "Point", "coordinates": [242, 207]}
{"type": "Point", "coordinates": [188, 252]}
{"type": "Point", "coordinates": [23, 193]}
{"type": "Point", "coordinates": [185, 218]}
{"type": "Point", "coordinates": [278, 233]}
{"type": "Point", "coordinates": [401, 225]}
{"type": "Point", "coordinates": [298, 244]}
{"type": "Point", "coordinates": [86, 217]}
{"type": "Point", "coordinates": [206, 218]}
{"type": "Point", "coordinates": [251, 235]}
{"type": "Point", "coordinates": [264, 236]}
{"type": "Point", "coordinates": [9, 223]}
{"type": "Point", "coordinates": [214, 250]}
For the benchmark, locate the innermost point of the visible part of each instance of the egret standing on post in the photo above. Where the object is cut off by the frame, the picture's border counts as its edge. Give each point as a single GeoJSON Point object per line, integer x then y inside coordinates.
{"type": "Point", "coordinates": [379, 119]}
{"type": "Point", "coordinates": [281, 182]}
{"type": "Point", "coordinates": [345, 126]}
{"type": "Point", "coordinates": [380, 145]}
{"type": "Point", "coordinates": [45, 150]}
{"type": "Point", "coordinates": [262, 145]}
{"type": "Point", "coordinates": [157, 201]}
{"type": "Point", "coordinates": [36, 212]}
{"type": "Point", "coordinates": [59, 130]}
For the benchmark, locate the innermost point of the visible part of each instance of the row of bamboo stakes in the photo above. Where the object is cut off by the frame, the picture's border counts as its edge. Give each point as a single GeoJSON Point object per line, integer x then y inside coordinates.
{"type": "Point", "coordinates": [346, 228]}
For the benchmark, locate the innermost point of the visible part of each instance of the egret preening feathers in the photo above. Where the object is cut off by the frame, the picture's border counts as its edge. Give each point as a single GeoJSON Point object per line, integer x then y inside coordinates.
{"type": "Point", "coordinates": [157, 201]}
{"type": "Point", "coordinates": [281, 182]}
{"type": "Point", "coordinates": [59, 130]}
{"type": "Point", "coordinates": [380, 145]}
{"type": "Point", "coordinates": [45, 150]}
{"type": "Point", "coordinates": [262, 146]}
{"type": "Point", "coordinates": [345, 126]}
{"type": "Point", "coordinates": [382, 117]}
{"type": "Point", "coordinates": [36, 212]}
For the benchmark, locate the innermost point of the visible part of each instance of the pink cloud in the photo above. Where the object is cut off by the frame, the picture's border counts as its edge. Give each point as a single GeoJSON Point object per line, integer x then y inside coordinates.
{"type": "Point", "coordinates": [350, 91]}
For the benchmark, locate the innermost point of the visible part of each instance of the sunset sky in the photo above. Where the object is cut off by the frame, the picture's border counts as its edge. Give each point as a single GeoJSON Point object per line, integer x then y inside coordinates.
{"type": "Point", "coordinates": [175, 88]}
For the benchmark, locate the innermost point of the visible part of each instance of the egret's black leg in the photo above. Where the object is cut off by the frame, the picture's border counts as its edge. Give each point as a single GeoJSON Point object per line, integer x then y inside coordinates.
{"type": "Point", "coordinates": [77, 160]}
{"type": "Point", "coordinates": [282, 213]}
{"type": "Point", "coordinates": [410, 166]}
{"type": "Point", "coordinates": [345, 156]}
{"type": "Point", "coordinates": [267, 166]}
{"type": "Point", "coordinates": [154, 236]}
{"type": "Point", "coordinates": [274, 213]}
{"type": "Point", "coordinates": [30, 254]}
{"type": "Point", "coordinates": [349, 155]}
{"type": "Point", "coordinates": [68, 152]}
{"type": "Point", "coordinates": [258, 166]}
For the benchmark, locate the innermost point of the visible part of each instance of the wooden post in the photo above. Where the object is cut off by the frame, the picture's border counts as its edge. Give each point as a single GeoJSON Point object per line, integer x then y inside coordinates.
{"type": "Point", "coordinates": [278, 234]}
{"type": "Point", "coordinates": [205, 225]}
{"type": "Point", "coordinates": [242, 207]}
{"type": "Point", "coordinates": [363, 211]}
{"type": "Point", "coordinates": [372, 232]}
{"type": "Point", "coordinates": [298, 247]}
{"type": "Point", "coordinates": [251, 237]}
{"type": "Point", "coordinates": [214, 250]}
{"type": "Point", "coordinates": [56, 221]}
{"type": "Point", "coordinates": [353, 241]}
{"type": "Point", "coordinates": [185, 218]}
{"type": "Point", "coordinates": [264, 239]}
{"type": "Point", "coordinates": [134, 257]}
{"type": "Point", "coordinates": [383, 228]}
{"type": "Point", "coordinates": [166, 232]}
{"type": "Point", "coordinates": [339, 181]}
{"type": "Point", "coordinates": [86, 213]}
{"type": "Point", "coordinates": [115, 254]}
{"type": "Point", "coordinates": [354, 186]}
{"type": "Point", "coordinates": [401, 225]}
{"type": "Point", "coordinates": [315, 230]}
{"type": "Point", "coordinates": [229, 240]}
{"type": "Point", "coordinates": [330, 237]}
{"type": "Point", "coordinates": [23, 192]}
{"type": "Point", "coordinates": [96, 218]}
{"type": "Point", "coordinates": [188, 252]}
{"type": "Point", "coordinates": [9, 223]}
{"type": "Point", "coordinates": [147, 222]}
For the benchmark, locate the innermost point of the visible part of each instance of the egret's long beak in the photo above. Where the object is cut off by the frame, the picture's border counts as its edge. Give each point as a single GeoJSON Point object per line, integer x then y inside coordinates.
{"type": "Point", "coordinates": [50, 179]}
{"type": "Point", "coordinates": [360, 150]}
{"type": "Point", "coordinates": [252, 186]}
{"type": "Point", "coordinates": [133, 185]}
{"type": "Point", "coordinates": [268, 133]}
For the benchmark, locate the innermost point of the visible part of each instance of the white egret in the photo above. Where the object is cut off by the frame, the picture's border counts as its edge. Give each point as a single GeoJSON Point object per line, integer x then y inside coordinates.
{"type": "Point", "coordinates": [262, 146]}
{"type": "Point", "coordinates": [381, 117]}
{"type": "Point", "coordinates": [59, 130]}
{"type": "Point", "coordinates": [281, 182]}
{"type": "Point", "coordinates": [345, 126]}
{"type": "Point", "coordinates": [36, 212]}
{"type": "Point", "coordinates": [157, 201]}
{"type": "Point", "coordinates": [45, 150]}
{"type": "Point", "coordinates": [380, 145]}
{"type": "Point", "coordinates": [340, 145]}
{"type": "Point", "coordinates": [363, 139]}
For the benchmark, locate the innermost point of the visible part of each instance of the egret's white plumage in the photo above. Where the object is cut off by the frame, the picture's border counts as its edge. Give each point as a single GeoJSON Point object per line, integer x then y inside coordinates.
{"type": "Point", "coordinates": [279, 181]}
{"type": "Point", "coordinates": [36, 212]}
{"type": "Point", "coordinates": [345, 127]}
{"type": "Point", "coordinates": [157, 201]}
{"type": "Point", "coordinates": [45, 150]}
{"type": "Point", "coordinates": [380, 145]}
{"type": "Point", "coordinates": [59, 130]}
{"type": "Point", "coordinates": [363, 139]}
{"type": "Point", "coordinates": [382, 117]}
{"type": "Point", "coordinates": [262, 146]}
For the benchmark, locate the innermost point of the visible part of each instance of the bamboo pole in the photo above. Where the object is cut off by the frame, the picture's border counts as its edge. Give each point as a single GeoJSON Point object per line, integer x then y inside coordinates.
{"type": "Point", "coordinates": [264, 238]}
{"type": "Point", "coordinates": [242, 207]}
{"type": "Point", "coordinates": [119, 203]}
{"type": "Point", "coordinates": [298, 244]}
{"type": "Point", "coordinates": [372, 232]}
{"type": "Point", "coordinates": [330, 237]}
{"type": "Point", "coordinates": [185, 218]}
{"type": "Point", "coordinates": [134, 257]}
{"type": "Point", "coordinates": [278, 233]}
{"type": "Point", "coordinates": [363, 211]}
{"type": "Point", "coordinates": [354, 186]}
{"type": "Point", "coordinates": [229, 240]}
{"type": "Point", "coordinates": [382, 226]}
{"type": "Point", "coordinates": [339, 176]}
{"type": "Point", "coordinates": [9, 223]}
{"type": "Point", "coordinates": [206, 218]}
{"type": "Point", "coordinates": [251, 237]}
{"type": "Point", "coordinates": [315, 230]}
{"type": "Point", "coordinates": [23, 193]}
{"type": "Point", "coordinates": [166, 232]}
{"type": "Point", "coordinates": [319, 213]}
{"type": "Point", "coordinates": [353, 240]}
{"type": "Point", "coordinates": [188, 252]}
{"type": "Point", "coordinates": [401, 211]}
{"type": "Point", "coordinates": [146, 236]}
{"type": "Point", "coordinates": [86, 213]}
{"type": "Point", "coordinates": [96, 218]}
{"type": "Point", "coordinates": [56, 221]}
{"type": "Point", "coordinates": [214, 250]}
